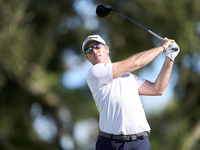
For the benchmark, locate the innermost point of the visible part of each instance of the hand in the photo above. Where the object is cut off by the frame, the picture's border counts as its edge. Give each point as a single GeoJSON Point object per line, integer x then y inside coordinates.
{"type": "Point", "coordinates": [166, 43]}
{"type": "Point", "coordinates": [172, 51]}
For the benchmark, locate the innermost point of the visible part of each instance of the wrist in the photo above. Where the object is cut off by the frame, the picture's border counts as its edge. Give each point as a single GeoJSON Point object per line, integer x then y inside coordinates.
{"type": "Point", "coordinates": [164, 49]}
{"type": "Point", "coordinates": [170, 59]}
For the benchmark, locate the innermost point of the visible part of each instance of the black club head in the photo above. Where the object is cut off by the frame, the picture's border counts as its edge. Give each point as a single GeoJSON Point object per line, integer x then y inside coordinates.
{"type": "Point", "coordinates": [103, 10]}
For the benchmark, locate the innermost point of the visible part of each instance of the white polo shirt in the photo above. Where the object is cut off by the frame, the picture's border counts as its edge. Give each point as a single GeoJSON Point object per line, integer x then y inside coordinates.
{"type": "Point", "coordinates": [117, 100]}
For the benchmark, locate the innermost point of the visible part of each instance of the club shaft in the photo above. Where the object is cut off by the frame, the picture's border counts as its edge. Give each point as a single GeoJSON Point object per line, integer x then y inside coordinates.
{"type": "Point", "coordinates": [151, 32]}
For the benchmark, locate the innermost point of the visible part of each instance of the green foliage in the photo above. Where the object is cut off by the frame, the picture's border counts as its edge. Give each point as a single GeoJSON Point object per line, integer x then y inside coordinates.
{"type": "Point", "coordinates": [33, 35]}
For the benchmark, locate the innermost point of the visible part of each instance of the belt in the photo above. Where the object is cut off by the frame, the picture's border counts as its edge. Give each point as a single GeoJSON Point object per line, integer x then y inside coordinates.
{"type": "Point", "coordinates": [131, 137]}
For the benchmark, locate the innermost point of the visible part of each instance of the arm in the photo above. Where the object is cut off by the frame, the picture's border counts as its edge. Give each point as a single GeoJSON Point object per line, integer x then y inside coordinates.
{"type": "Point", "coordinates": [162, 80]}
{"type": "Point", "coordinates": [139, 60]}
{"type": "Point", "coordinates": [158, 88]}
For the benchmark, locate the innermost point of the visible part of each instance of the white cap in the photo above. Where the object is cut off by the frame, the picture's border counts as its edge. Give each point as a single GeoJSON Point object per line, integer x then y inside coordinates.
{"type": "Point", "coordinates": [92, 38]}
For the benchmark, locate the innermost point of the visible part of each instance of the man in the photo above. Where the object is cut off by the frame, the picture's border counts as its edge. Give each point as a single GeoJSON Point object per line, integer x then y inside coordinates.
{"type": "Point", "coordinates": [122, 120]}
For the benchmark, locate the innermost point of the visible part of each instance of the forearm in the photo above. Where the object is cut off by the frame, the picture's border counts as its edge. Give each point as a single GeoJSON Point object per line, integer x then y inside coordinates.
{"type": "Point", "coordinates": [159, 86]}
{"type": "Point", "coordinates": [141, 59]}
{"type": "Point", "coordinates": [136, 61]}
{"type": "Point", "coordinates": [164, 76]}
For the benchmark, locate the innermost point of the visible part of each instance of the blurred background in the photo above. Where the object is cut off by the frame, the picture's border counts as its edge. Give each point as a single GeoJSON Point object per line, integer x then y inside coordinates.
{"type": "Point", "coordinates": [45, 103]}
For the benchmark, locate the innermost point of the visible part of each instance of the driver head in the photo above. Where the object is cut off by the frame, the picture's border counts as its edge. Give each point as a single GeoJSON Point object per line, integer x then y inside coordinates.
{"type": "Point", "coordinates": [103, 10]}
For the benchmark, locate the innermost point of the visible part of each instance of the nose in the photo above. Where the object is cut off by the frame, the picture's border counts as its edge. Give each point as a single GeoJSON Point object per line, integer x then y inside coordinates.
{"type": "Point", "coordinates": [94, 50]}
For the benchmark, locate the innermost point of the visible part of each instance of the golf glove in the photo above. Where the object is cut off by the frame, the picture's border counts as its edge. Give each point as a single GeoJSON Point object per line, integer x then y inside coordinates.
{"type": "Point", "coordinates": [172, 51]}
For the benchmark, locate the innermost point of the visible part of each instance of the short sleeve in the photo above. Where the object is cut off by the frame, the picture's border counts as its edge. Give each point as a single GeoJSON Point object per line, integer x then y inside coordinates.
{"type": "Point", "coordinates": [139, 81]}
{"type": "Point", "coordinates": [99, 75]}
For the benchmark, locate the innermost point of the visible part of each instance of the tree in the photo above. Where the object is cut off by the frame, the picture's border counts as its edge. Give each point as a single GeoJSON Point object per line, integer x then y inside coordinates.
{"type": "Point", "coordinates": [33, 36]}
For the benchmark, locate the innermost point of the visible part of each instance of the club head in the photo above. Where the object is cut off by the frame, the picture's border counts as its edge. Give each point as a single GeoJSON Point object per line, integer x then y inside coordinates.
{"type": "Point", "coordinates": [103, 10]}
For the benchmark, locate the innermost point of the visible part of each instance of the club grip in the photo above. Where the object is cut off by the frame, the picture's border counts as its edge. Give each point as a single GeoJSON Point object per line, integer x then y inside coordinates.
{"type": "Point", "coordinates": [156, 35]}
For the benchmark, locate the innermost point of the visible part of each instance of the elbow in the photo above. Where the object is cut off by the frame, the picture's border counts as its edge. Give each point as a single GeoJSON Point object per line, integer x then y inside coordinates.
{"type": "Point", "coordinates": [136, 64]}
{"type": "Point", "coordinates": [159, 89]}
{"type": "Point", "coordinates": [160, 92]}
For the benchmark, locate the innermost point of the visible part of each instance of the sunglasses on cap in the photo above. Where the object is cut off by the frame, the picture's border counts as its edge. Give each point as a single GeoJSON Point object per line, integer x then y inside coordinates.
{"type": "Point", "coordinates": [89, 50]}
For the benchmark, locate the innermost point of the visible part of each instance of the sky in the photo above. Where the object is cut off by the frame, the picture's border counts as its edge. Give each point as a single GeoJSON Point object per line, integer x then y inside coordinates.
{"type": "Point", "coordinates": [75, 77]}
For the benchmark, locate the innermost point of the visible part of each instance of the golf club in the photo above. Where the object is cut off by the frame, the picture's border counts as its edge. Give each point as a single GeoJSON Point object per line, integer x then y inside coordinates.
{"type": "Point", "coordinates": [104, 10]}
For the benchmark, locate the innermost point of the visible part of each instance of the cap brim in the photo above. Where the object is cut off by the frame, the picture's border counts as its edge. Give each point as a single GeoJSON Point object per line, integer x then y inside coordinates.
{"type": "Point", "coordinates": [86, 43]}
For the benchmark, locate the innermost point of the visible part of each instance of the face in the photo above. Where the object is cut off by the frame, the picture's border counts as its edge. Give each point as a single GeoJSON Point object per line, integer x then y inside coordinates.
{"type": "Point", "coordinates": [98, 55]}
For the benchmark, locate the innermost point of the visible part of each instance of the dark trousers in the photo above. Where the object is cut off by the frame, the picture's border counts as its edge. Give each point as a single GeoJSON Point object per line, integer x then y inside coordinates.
{"type": "Point", "coordinates": [104, 143]}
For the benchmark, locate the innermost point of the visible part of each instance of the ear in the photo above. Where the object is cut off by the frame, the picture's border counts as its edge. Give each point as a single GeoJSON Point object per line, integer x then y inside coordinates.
{"type": "Point", "coordinates": [87, 57]}
{"type": "Point", "coordinates": [107, 49]}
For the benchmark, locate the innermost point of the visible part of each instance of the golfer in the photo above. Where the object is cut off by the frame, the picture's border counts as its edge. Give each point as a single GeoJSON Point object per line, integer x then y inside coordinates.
{"type": "Point", "coordinates": [122, 121]}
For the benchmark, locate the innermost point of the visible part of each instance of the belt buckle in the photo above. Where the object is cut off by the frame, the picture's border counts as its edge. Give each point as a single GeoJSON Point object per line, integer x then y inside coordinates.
{"type": "Point", "coordinates": [133, 137]}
